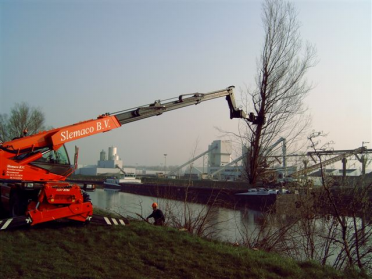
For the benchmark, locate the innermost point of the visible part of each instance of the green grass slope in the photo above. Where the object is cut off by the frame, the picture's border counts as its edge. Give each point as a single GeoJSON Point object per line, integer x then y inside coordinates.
{"type": "Point", "coordinates": [140, 250]}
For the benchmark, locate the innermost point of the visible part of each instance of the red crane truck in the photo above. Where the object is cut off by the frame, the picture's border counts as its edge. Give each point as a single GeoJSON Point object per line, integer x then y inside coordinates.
{"type": "Point", "coordinates": [33, 169]}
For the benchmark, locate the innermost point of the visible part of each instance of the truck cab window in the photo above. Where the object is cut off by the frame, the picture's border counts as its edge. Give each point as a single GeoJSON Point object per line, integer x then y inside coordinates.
{"type": "Point", "coordinates": [56, 157]}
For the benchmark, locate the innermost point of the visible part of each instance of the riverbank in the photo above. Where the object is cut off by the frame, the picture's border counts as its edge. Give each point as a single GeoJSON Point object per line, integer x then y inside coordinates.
{"type": "Point", "coordinates": [223, 194]}
{"type": "Point", "coordinates": [140, 250]}
{"type": "Point", "coordinates": [221, 197]}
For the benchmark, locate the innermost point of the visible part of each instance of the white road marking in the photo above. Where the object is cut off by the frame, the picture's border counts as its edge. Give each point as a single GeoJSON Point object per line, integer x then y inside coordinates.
{"type": "Point", "coordinates": [107, 220]}
{"type": "Point", "coordinates": [6, 224]}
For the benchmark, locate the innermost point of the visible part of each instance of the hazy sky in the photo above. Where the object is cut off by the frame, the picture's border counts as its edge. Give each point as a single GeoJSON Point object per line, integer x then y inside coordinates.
{"type": "Point", "coordinates": [77, 59]}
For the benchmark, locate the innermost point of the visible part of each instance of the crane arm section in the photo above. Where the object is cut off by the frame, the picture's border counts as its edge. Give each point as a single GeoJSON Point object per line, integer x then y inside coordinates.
{"type": "Point", "coordinates": [192, 160]}
{"type": "Point", "coordinates": [328, 162]}
{"type": "Point", "coordinates": [55, 138]}
{"type": "Point", "coordinates": [227, 165]}
{"type": "Point", "coordinates": [116, 166]}
{"type": "Point", "coordinates": [158, 107]}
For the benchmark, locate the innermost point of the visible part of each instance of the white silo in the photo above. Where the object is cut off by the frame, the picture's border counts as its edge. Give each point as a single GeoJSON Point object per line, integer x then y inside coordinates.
{"type": "Point", "coordinates": [112, 152]}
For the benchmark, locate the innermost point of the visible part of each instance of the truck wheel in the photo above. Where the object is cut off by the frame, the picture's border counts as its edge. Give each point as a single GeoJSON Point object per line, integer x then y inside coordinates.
{"type": "Point", "coordinates": [3, 213]}
{"type": "Point", "coordinates": [18, 206]}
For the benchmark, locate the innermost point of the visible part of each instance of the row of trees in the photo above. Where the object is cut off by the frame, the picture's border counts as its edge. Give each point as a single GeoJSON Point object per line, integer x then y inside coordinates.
{"type": "Point", "coordinates": [327, 225]}
{"type": "Point", "coordinates": [22, 117]}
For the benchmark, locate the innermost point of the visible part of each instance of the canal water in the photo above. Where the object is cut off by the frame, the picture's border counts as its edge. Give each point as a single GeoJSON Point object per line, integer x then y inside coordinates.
{"type": "Point", "coordinates": [221, 223]}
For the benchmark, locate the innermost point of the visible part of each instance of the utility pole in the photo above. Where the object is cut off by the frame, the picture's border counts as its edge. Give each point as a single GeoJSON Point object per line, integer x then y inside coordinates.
{"type": "Point", "coordinates": [344, 161]}
{"type": "Point", "coordinates": [165, 164]}
{"type": "Point", "coordinates": [363, 160]}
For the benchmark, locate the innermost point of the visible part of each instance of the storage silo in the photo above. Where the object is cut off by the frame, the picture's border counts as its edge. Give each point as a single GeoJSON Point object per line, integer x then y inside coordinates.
{"type": "Point", "coordinates": [112, 153]}
{"type": "Point", "coordinates": [220, 153]}
{"type": "Point", "coordinates": [102, 156]}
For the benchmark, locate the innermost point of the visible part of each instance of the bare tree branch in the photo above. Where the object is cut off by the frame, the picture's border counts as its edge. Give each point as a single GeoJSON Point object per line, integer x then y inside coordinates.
{"type": "Point", "coordinates": [22, 117]}
{"type": "Point", "coordinates": [280, 84]}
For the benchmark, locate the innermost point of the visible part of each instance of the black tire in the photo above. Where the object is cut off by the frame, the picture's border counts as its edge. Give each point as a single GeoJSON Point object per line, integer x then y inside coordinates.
{"type": "Point", "coordinates": [3, 212]}
{"type": "Point", "coordinates": [18, 205]}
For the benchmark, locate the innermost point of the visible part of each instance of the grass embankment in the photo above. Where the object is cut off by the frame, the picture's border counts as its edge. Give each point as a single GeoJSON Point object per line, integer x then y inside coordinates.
{"type": "Point", "coordinates": [140, 250]}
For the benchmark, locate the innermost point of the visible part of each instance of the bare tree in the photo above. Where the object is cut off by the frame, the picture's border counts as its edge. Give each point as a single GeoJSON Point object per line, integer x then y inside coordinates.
{"type": "Point", "coordinates": [350, 208]}
{"type": "Point", "coordinates": [281, 86]}
{"type": "Point", "coordinates": [22, 117]}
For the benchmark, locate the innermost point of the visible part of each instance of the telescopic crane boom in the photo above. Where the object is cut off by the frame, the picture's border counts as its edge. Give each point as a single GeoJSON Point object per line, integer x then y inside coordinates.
{"type": "Point", "coordinates": [33, 168]}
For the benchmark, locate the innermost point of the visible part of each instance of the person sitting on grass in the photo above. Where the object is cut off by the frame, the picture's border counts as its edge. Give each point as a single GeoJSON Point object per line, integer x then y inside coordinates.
{"type": "Point", "coordinates": [157, 214]}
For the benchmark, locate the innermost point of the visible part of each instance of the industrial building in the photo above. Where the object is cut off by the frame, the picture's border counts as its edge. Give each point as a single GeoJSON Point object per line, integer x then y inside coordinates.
{"type": "Point", "coordinates": [109, 165]}
{"type": "Point", "coordinates": [219, 165]}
